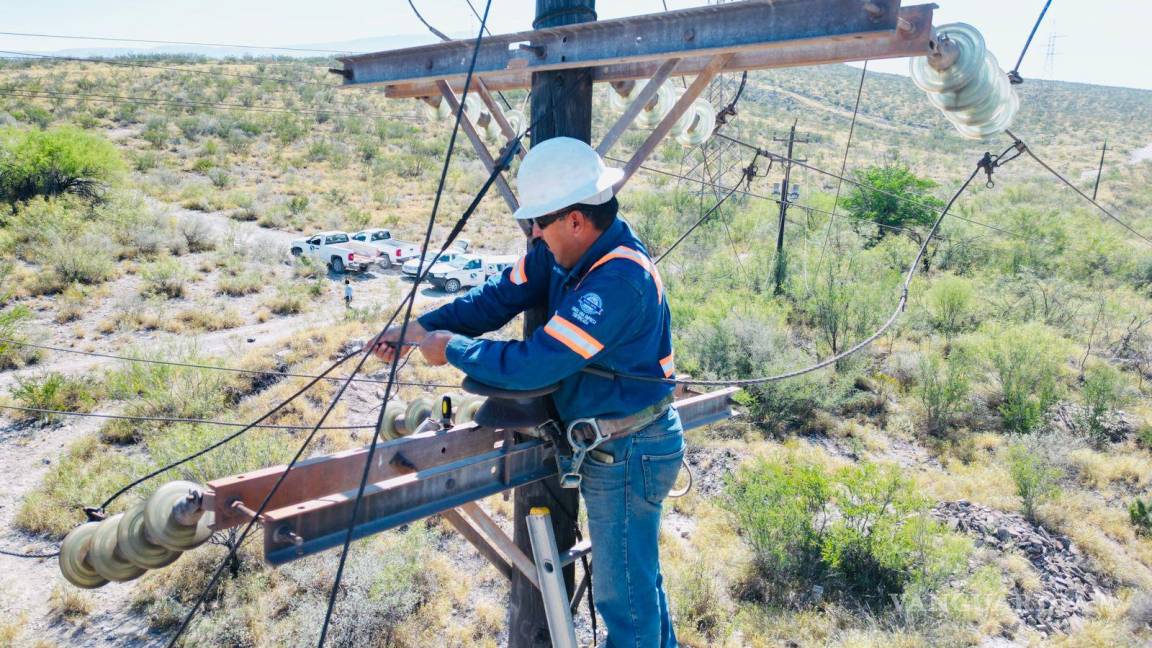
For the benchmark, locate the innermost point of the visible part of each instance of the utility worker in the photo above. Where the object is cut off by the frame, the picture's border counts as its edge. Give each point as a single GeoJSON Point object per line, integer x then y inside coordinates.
{"type": "Point", "coordinates": [607, 309]}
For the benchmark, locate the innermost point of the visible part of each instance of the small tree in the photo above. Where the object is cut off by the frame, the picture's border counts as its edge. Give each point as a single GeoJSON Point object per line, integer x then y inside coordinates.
{"type": "Point", "coordinates": [60, 160]}
{"type": "Point", "coordinates": [893, 196]}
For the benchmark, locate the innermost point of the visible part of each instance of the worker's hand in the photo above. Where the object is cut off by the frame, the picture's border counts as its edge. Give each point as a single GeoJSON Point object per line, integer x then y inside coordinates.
{"type": "Point", "coordinates": [433, 347]}
{"type": "Point", "coordinates": [387, 343]}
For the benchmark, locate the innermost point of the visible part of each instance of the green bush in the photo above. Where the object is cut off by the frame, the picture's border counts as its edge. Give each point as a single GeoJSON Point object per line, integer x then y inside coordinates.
{"type": "Point", "coordinates": [950, 304]}
{"type": "Point", "coordinates": [165, 276]}
{"type": "Point", "coordinates": [1034, 474]}
{"type": "Point", "coordinates": [1103, 390]}
{"type": "Point", "coordinates": [85, 260]}
{"type": "Point", "coordinates": [892, 196]}
{"type": "Point", "coordinates": [943, 387]}
{"type": "Point", "coordinates": [1026, 362]}
{"type": "Point", "coordinates": [244, 282]}
{"type": "Point", "coordinates": [12, 333]}
{"type": "Point", "coordinates": [55, 391]}
{"type": "Point", "coordinates": [1140, 515]}
{"type": "Point", "coordinates": [59, 160]}
{"type": "Point", "coordinates": [858, 532]}
{"type": "Point", "coordinates": [287, 301]}
{"type": "Point", "coordinates": [56, 161]}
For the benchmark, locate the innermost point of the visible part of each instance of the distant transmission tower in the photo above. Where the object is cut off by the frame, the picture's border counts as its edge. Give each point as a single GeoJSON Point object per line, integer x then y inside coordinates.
{"type": "Point", "coordinates": [709, 163]}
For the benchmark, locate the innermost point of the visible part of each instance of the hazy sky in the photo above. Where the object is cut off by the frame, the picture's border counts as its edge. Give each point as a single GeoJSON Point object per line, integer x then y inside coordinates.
{"type": "Point", "coordinates": [1104, 41]}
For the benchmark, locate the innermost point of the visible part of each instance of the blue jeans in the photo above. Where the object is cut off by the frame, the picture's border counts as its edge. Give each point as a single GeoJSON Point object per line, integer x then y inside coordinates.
{"type": "Point", "coordinates": [624, 499]}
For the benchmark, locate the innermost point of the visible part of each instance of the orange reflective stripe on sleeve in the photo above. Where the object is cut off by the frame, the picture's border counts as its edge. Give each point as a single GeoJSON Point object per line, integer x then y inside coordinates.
{"type": "Point", "coordinates": [668, 367]}
{"type": "Point", "coordinates": [518, 275]}
{"type": "Point", "coordinates": [573, 337]}
{"type": "Point", "coordinates": [623, 252]}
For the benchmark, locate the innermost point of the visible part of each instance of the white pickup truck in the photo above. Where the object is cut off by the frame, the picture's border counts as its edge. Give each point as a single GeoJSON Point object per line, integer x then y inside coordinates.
{"type": "Point", "coordinates": [337, 251]}
{"type": "Point", "coordinates": [391, 250]}
{"type": "Point", "coordinates": [467, 270]}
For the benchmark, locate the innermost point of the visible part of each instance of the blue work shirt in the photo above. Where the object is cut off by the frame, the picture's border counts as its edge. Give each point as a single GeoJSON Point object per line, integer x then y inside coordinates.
{"type": "Point", "coordinates": [608, 311]}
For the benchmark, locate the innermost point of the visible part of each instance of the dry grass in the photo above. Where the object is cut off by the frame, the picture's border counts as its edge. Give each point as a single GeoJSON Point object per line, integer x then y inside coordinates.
{"type": "Point", "coordinates": [1100, 470]}
{"type": "Point", "coordinates": [1104, 534]}
{"type": "Point", "coordinates": [69, 603]}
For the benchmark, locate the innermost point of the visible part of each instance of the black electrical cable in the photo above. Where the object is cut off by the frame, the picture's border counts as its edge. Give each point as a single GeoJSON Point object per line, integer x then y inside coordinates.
{"type": "Point", "coordinates": [1014, 75]}
{"type": "Point", "coordinates": [505, 160]}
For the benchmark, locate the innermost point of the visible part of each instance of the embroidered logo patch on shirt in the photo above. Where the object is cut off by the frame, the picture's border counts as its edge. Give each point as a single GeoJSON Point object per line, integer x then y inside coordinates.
{"type": "Point", "coordinates": [588, 308]}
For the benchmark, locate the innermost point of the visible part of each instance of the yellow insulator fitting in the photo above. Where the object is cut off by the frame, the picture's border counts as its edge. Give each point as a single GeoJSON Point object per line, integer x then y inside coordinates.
{"type": "Point", "coordinates": [964, 81]}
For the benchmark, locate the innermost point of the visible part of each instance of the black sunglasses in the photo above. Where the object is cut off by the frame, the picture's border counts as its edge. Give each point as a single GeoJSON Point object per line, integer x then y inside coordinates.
{"type": "Point", "coordinates": [548, 219]}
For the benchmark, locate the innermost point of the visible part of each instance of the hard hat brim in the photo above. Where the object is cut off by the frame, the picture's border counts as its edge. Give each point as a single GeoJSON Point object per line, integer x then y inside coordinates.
{"type": "Point", "coordinates": [596, 193]}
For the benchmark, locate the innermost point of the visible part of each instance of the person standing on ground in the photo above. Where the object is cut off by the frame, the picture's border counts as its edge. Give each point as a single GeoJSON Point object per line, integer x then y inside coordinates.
{"type": "Point", "coordinates": [607, 309]}
{"type": "Point", "coordinates": [347, 293]}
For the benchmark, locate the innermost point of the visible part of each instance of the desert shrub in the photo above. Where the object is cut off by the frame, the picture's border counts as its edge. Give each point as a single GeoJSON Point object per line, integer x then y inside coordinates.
{"type": "Point", "coordinates": [69, 603]}
{"type": "Point", "coordinates": [943, 386]}
{"type": "Point", "coordinates": [203, 318]}
{"type": "Point", "coordinates": [164, 391]}
{"type": "Point", "coordinates": [87, 471]}
{"type": "Point", "coordinates": [950, 304]}
{"type": "Point", "coordinates": [1026, 363]}
{"type": "Point", "coordinates": [165, 277]}
{"type": "Point", "coordinates": [1140, 515]}
{"type": "Point", "coordinates": [197, 235]}
{"type": "Point", "coordinates": [238, 284]}
{"type": "Point", "coordinates": [846, 300]}
{"type": "Point", "coordinates": [287, 301]}
{"type": "Point", "coordinates": [1033, 472]}
{"type": "Point", "coordinates": [155, 132]}
{"type": "Point", "coordinates": [145, 161]}
{"type": "Point", "coordinates": [220, 178]}
{"type": "Point", "coordinates": [894, 197]}
{"type": "Point", "coordinates": [86, 260]}
{"type": "Point", "coordinates": [56, 161]}
{"type": "Point", "coordinates": [71, 304]}
{"type": "Point", "coordinates": [54, 391]}
{"type": "Point", "coordinates": [1103, 390]}
{"type": "Point", "coordinates": [13, 323]}
{"type": "Point", "coordinates": [859, 532]}
{"type": "Point", "coordinates": [297, 205]}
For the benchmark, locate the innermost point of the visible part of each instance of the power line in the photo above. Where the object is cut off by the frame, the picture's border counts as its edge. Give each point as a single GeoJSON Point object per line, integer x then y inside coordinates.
{"type": "Point", "coordinates": [987, 164]}
{"type": "Point", "coordinates": [166, 419]}
{"type": "Point", "coordinates": [843, 164]}
{"type": "Point", "coordinates": [169, 42]}
{"type": "Point", "coordinates": [781, 158]}
{"type": "Point", "coordinates": [192, 365]}
{"type": "Point", "coordinates": [1027, 149]}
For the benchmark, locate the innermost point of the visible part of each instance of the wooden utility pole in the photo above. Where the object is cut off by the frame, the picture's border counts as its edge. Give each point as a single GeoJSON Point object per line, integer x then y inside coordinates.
{"type": "Point", "coordinates": [1103, 150]}
{"type": "Point", "coordinates": [561, 107]}
{"type": "Point", "coordinates": [781, 263]}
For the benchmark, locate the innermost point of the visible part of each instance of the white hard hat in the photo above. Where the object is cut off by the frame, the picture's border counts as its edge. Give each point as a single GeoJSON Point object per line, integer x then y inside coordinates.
{"type": "Point", "coordinates": [560, 172]}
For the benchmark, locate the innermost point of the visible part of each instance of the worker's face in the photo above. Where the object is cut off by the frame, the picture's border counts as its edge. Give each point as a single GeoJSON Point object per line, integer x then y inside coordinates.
{"type": "Point", "coordinates": [565, 237]}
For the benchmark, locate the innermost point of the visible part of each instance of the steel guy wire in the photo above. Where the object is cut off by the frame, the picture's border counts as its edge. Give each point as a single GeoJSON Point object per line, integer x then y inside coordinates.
{"type": "Point", "coordinates": [703, 218]}
{"type": "Point", "coordinates": [786, 160]}
{"type": "Point", "coordinates": [1014, 75]}
{"type": "Point", "coordinates": [512, 147]}
{"type": "Point", "coordinates": [191, 365]}
{"type": "Point", "coordinates": [843, 165]}
{"type": "Point", "coordinates": [1024, 148]}
{"type": "Point", "coordinates": [167, 419]}
{"type": "Point", "coordinates": [170, 42]}
{"type": "Point", "coordinates": [987, 163]}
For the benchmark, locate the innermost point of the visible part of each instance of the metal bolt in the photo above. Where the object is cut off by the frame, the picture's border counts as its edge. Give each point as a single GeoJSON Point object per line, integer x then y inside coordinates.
{"type": "Point", "coordinates": [874, 11]}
